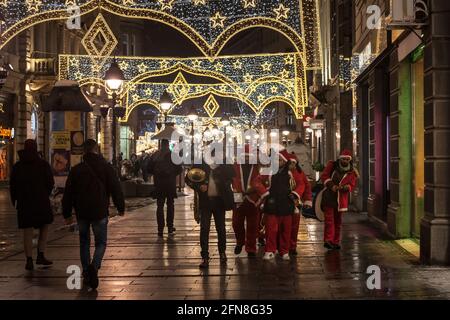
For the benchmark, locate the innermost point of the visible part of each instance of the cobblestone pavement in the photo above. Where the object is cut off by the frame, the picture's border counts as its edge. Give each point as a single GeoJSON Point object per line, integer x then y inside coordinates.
{"type": "Point", "coordinates": [138, 265]}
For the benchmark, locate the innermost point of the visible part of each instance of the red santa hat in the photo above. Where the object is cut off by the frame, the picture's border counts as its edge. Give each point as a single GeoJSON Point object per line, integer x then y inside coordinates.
{"type": "Point", "coordinates": [346, 154]}
{"type": "Point", "coordinates": [285, 155]}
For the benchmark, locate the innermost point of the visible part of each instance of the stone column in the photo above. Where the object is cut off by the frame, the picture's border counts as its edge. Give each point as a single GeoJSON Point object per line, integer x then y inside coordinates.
{"type": "Point", "coordinates": [435, 226]}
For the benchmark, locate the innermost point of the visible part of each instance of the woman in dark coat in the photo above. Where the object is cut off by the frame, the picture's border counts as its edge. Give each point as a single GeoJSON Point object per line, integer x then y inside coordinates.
{"type": "Point", "coordinates": [31, 184]}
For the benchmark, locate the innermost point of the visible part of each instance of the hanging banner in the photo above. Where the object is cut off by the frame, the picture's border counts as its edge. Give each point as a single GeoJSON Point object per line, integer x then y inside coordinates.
{"type": "Point", "coordinates": [60, 140]}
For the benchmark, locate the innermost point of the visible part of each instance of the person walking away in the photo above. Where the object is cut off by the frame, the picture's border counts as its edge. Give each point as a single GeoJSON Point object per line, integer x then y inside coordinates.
{"type": "Point", "coordinates": [31, 183]}
{"type": "Point", "coordinates": [306, 201]}
{"type": "Point", "coordinates": [165, 174]}
{"type": "Point", "coordinates": [88, 190]}
{"type": "Point", "coordinates": [339, 178]}
{"type": "Point", "coordinates": [279, 206]}
{"type": "Point", "coordinates": [248, 188]}
{"type": "Point", "coordinates": [143, 163]}
{"type": "Point", "coordinates": [215, 198]}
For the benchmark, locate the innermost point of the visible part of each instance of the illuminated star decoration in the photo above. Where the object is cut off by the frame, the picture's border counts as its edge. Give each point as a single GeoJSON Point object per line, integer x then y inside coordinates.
{"type": "Point", "coordinates": [281, 12]}
{"type": "Point", "coordinates": [219, 66]}
{"type": "Point", "coordinates": [166, 4]}
{"type": "Point", "coordinates": [164, 64]}
{"type": "Point", "coordinates": [70, 3]}
{"type": "Point", "coordinates": [237, 64]}
{"type": "Point", "coordinates": [123, 65]}
{"type": "Point", "coordinates": [274, 89]}
{"type": "Point", "coordinates": [289, 60]}
{"type": "Point", "coordinates": [261, 98]}
{"type": "Point", "coordinates": [218, 20]}
{"type": "Point", "coordinates": [266, 66]}
{"type": "Point", "coordinates": [148, 91]}
{"type": "Point", "coordinates": [33, 5]}
{"type": "Point", "coordinates": [248, 78]}
{"type": "Point", "coordinates": [135, 97]}
{"type": "Point", "coordinates": [128, 2]}
{"type": "Point", "coordinates": [142, 68]}
{"type": "Point", "coordinates": [3, 3]}
{"type": "Point", "coordinates": [284, 74]}
{"type": "Point", "coordinates": [249, 3]}
{"type": "Point", "coordinates": [199, 2]}
{"type": "Point", "coordinates": [197, 64]}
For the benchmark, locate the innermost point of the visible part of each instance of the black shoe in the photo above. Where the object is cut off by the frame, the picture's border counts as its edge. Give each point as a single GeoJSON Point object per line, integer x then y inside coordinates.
{"type": "Point", "coordinates": [251, 254]}
{"type": "Point", "coordinates": [204, 264]}
{"type": "Point", "coordinates": [293, 252]}
{"type": "Point", "coordinates": [337, 246]}
{"type": "Point", "coordinates": [237, 250]}
{"type": "Point", "coordinates": [42, 260]}
{"type": "Point", "coordinates": [172, 231]}
{"type": "Point", "coordinates": [93, 276]}
{"type": "Point", "coordinates": [328, 245]}
{"type": "Point", "coordinates": [29, 266]}
{"type": "Point", "coordinates": [261, 242]}
{"type": "Point", "coordinates": [223, 258]}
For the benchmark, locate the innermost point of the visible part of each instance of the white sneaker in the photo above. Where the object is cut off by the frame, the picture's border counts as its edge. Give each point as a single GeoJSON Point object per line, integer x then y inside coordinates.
{"type": "Point", "coordinates": [268, 256]}
{"type": "Point", "coordinates": [286, 257]}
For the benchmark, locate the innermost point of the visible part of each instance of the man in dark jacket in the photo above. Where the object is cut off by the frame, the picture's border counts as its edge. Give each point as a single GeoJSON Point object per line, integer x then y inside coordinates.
{"type": "Point", "coordinates": [215, 198]}
{"type": "Point", "coordinates": [31, 184]}
{"type": "Point", "coordinates": [165, 174]}
{"type": "Point", "coordinates": [88, 189]}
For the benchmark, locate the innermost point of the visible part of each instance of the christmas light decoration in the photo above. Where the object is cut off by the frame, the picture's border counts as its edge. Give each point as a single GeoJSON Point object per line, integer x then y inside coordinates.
{"type": "Point", "coordinates": [211, 106]}
{"type": "Point", "coordinates": [256, 89]}
{"type": "Point", "coordinates": [215, 23]}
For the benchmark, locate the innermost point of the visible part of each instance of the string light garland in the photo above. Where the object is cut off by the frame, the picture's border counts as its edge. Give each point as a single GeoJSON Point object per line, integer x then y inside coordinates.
{"type": "Point", "coordinates": [215, 23]}
{"type": "Point", "coordinates": [283, 82]}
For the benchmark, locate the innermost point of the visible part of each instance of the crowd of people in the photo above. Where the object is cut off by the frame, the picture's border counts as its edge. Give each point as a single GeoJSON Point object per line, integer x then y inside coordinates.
{"type": "Point", "coordinates": [266, 208]}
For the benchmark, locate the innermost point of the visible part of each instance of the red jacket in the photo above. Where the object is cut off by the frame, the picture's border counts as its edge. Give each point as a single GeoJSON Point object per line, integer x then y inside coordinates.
{"type": "Point", "coordinates": [307, 193]}
{"type": "Point", "coordinates": [349, 179]}
{"type": "Point", "coordinates": [254, 183]}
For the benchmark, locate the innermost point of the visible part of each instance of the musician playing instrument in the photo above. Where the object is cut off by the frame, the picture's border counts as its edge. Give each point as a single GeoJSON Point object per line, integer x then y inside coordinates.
{"type": "Point", "coordinates": [215, 198]}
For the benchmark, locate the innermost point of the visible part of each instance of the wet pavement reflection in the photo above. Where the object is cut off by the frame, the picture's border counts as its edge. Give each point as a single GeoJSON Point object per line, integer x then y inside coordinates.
{"type": "Point", "coordinates": [139, 265]}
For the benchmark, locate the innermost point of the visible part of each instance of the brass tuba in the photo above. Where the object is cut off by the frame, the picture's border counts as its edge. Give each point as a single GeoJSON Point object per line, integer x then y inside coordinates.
{"type": "Point", "coordinates": [196, 177]}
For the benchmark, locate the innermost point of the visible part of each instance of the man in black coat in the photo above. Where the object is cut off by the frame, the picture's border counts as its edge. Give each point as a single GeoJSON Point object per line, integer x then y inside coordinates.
{"type": "Point", "coordinates": [165, 173]}
{"type": "Point", "coordinates": [215, 198]}
{"type": "Point", "coordinates": [88, 189]}
{"type": "Point", "coordinates": [31, 184]}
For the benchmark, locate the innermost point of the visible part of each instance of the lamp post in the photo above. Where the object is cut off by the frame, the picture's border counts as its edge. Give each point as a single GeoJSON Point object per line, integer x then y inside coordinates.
{"type": "Point", "coordinates": [165, 103]}
{"type": "Point", "coordinates": [114, 79]}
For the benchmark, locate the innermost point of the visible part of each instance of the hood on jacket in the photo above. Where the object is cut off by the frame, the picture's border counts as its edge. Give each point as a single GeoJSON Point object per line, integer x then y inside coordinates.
{"type": "Point", "coordinates": [28, 156]}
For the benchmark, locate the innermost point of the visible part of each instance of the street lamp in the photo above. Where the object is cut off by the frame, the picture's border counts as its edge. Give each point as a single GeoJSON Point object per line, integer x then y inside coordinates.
{"type": "Point", "coordinates": [225, 121]}
{"type": "Point", "coordinates": [166, 103]}
{"type": "Point", "coordinates": [114, 79]}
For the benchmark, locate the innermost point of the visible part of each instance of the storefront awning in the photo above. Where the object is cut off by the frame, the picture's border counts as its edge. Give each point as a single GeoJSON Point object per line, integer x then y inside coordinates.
{"type": "Point", "coordinates": [66, 96]}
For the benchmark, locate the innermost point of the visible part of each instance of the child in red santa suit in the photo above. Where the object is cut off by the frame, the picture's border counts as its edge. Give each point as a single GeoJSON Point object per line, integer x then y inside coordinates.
{"type": "Point", "coordinates": [339, 179]}
{"type": "Point", "coordinates": [248, 187]}
{"type": "Point", "coordinates": [279, 206]}
{"type": "Point", "coordinates": [306, 201]}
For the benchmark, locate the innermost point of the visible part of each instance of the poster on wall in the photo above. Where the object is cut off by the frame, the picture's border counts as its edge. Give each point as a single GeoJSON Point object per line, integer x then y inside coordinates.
{"type": "Point", "coordinates": [60, 140]}
{"type": "Point", "coordinates": [57, 121]}
{"type": "Point", "coordinates": [60, 162]}
{"type": "Point", "coordinates": [73, 120]}
{"type": "Point", "coordinates": [76, 142]}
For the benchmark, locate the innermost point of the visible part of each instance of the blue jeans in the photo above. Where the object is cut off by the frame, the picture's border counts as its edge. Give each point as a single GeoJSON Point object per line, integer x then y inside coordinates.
{"type": "Point", "coordinates": [100, 229]}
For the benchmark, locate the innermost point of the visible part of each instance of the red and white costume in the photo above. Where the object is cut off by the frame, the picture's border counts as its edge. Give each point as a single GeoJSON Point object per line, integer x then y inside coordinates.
{"type": "Point", "coordinates": [247, 181]}
{"type": "Point", "coordinates": [335, 203]}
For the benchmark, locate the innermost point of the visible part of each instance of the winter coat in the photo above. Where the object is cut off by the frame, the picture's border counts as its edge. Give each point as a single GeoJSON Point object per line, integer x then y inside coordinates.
{"type": "Point", "coordinates": [89, 187]}
{"type": "Point", "coordinates": [253, 184]}
{"type": "Point", "coordinates": [31, 184]}
{"type": "Point", "coordinates": [164, 173]}
{"type": "Point", "coordinates": [286, 186]}
{"type": "Point", "coordinates": [332, 175]}
{"type": "Point", "coordinates": [223, 176]}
